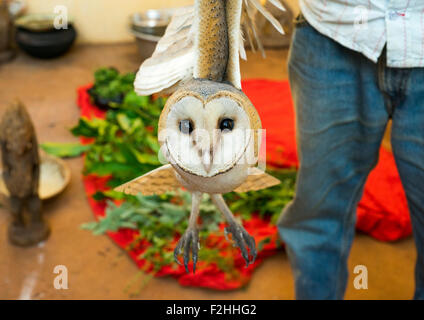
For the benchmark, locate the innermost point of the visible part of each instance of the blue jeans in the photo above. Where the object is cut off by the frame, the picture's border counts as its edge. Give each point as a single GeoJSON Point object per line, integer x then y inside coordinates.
{"type": "Point", "coordinates": [343, 102]}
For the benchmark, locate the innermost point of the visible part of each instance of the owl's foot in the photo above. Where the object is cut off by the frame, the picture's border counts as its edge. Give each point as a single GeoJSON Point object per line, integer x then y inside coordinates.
{"type": "Point", "coordinates": [243, 240]}
{"type": "Point", "coordinates": [189, 241]}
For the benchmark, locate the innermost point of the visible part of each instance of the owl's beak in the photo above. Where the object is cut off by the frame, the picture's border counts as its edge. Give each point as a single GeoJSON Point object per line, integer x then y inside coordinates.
{"type": "Point", "coordinates": [207, 159]}
{"type": "Point", "coordinates": [204, 142]}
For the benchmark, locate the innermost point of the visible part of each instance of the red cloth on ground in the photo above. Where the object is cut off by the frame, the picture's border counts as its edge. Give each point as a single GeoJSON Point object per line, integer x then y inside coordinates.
{"type": "Point", "coordinates": [382, 212]}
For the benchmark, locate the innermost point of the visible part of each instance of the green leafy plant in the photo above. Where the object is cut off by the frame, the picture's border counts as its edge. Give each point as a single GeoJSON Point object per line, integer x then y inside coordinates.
{"type": "Point", "coordinates": [64, 150]}
{"type": "Point", "coordinates": [124, 143]}
{"type": "Point", "coordinates": [266, 202]}
{"type": "Point", "coordinates": [110, 87]}
{"type": "Point", "coordinates": [159, 219]}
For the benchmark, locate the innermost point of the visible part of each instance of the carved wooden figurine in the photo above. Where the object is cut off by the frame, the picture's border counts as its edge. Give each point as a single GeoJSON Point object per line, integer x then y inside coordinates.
{"type": "Point", "coordinates": [21, 171]}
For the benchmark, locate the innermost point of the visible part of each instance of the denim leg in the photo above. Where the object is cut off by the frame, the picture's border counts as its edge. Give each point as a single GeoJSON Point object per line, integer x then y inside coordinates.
{"type": "Point", "coordinates": [408, 149]}
{"type": "Point", "coordinates": [340, 119]}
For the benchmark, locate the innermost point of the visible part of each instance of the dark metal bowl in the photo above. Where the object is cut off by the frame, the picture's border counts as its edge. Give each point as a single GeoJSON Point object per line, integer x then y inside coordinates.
{"type": "Point", "coordinates": [45, 44]}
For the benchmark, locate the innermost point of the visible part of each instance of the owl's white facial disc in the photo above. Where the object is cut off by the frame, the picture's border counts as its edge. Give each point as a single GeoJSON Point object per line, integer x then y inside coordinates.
{"type": "Point", "coordinates": [207, 138]}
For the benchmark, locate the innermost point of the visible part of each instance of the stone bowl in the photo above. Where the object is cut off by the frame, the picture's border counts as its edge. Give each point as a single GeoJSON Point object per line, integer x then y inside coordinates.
{"type": "Point", "coordinates": [37, 36]}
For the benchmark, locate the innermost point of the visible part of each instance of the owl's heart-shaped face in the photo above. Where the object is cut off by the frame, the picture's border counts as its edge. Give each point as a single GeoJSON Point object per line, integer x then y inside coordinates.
{"type": "Point", "coordinates": [207, 137]}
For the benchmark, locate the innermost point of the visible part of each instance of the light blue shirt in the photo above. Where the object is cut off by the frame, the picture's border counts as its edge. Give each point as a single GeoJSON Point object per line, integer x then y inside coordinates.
{"type": "Point", "coordinates": [367, 25]}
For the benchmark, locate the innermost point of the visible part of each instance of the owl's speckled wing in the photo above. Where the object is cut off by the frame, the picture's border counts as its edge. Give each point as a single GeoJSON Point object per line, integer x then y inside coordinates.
{"type": "Point", "coordinates": [172, 61]}
{"type": "Point", "coordinates": [257, 180]}
{"type": "Point", "coordinates": [158, 181]}
{"type": "Point", "coordinates": [190, 49]}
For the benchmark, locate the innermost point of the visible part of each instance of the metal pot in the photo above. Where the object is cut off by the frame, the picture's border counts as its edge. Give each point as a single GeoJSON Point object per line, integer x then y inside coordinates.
{"type": "Point", "coordinates": [146, 43]}
{"type": "Point", "coordinates": [152, 22]}
{"type": "Point", "coordinates": [148, 27]}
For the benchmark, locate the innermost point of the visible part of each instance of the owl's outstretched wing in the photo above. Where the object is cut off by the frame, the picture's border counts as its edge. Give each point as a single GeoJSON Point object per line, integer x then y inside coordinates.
{"type": "Point", "coordinates": [174, 59]}
{"type": "Point", "coordinates": [157, 181]}
{"type": "Point", "coordinates": [257, 180]}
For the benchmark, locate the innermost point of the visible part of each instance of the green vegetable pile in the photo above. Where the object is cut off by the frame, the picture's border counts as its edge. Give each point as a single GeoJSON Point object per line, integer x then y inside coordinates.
{"type": "Point", "coordinates": [124, 146]}
{"type": "Point", "coordinates": [110, 87]}
{"type": "Point", "coordinates": [125, 142]}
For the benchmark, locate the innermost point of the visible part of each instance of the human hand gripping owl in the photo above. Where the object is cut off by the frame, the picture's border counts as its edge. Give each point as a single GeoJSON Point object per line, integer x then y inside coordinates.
{"type": "Point", "coordinates": [209, 131]}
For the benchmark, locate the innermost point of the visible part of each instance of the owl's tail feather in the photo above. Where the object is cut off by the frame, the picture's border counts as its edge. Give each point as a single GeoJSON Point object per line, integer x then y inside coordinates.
{"type": "Point", "coordinates": [176, 57]}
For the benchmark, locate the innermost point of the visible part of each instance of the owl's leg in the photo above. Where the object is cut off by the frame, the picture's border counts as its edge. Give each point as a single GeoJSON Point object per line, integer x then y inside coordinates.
{"type": "Point", "coordinates": [240, 236]}
{"type": "Point", "coordinates": [190, 238]}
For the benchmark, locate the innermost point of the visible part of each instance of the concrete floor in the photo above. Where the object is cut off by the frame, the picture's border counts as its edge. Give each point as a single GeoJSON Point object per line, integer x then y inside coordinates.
{"type": "Point", "coordinates": [97, 268]}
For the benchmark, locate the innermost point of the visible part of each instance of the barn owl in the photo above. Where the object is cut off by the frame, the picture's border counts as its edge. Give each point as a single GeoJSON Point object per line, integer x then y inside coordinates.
{"type": "Point", "coordinates": [209, 131]}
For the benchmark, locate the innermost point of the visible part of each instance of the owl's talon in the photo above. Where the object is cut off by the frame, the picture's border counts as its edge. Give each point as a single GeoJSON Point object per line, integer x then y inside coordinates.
{"type": "Point", "coordinates": [226, 232]}
{"type": "Point", "coordinates": [176, 258]}
{"type": "Point", "coordinates": [243, 240]}
{"type": "Point", "coordinates": [189, 241]}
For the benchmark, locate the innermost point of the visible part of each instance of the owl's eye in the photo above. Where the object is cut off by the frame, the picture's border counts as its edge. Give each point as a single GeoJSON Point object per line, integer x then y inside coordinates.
{"type": "Point", "coordinates": [226, 124]}
{"type": "Point", "coordinates": [186, 126]}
